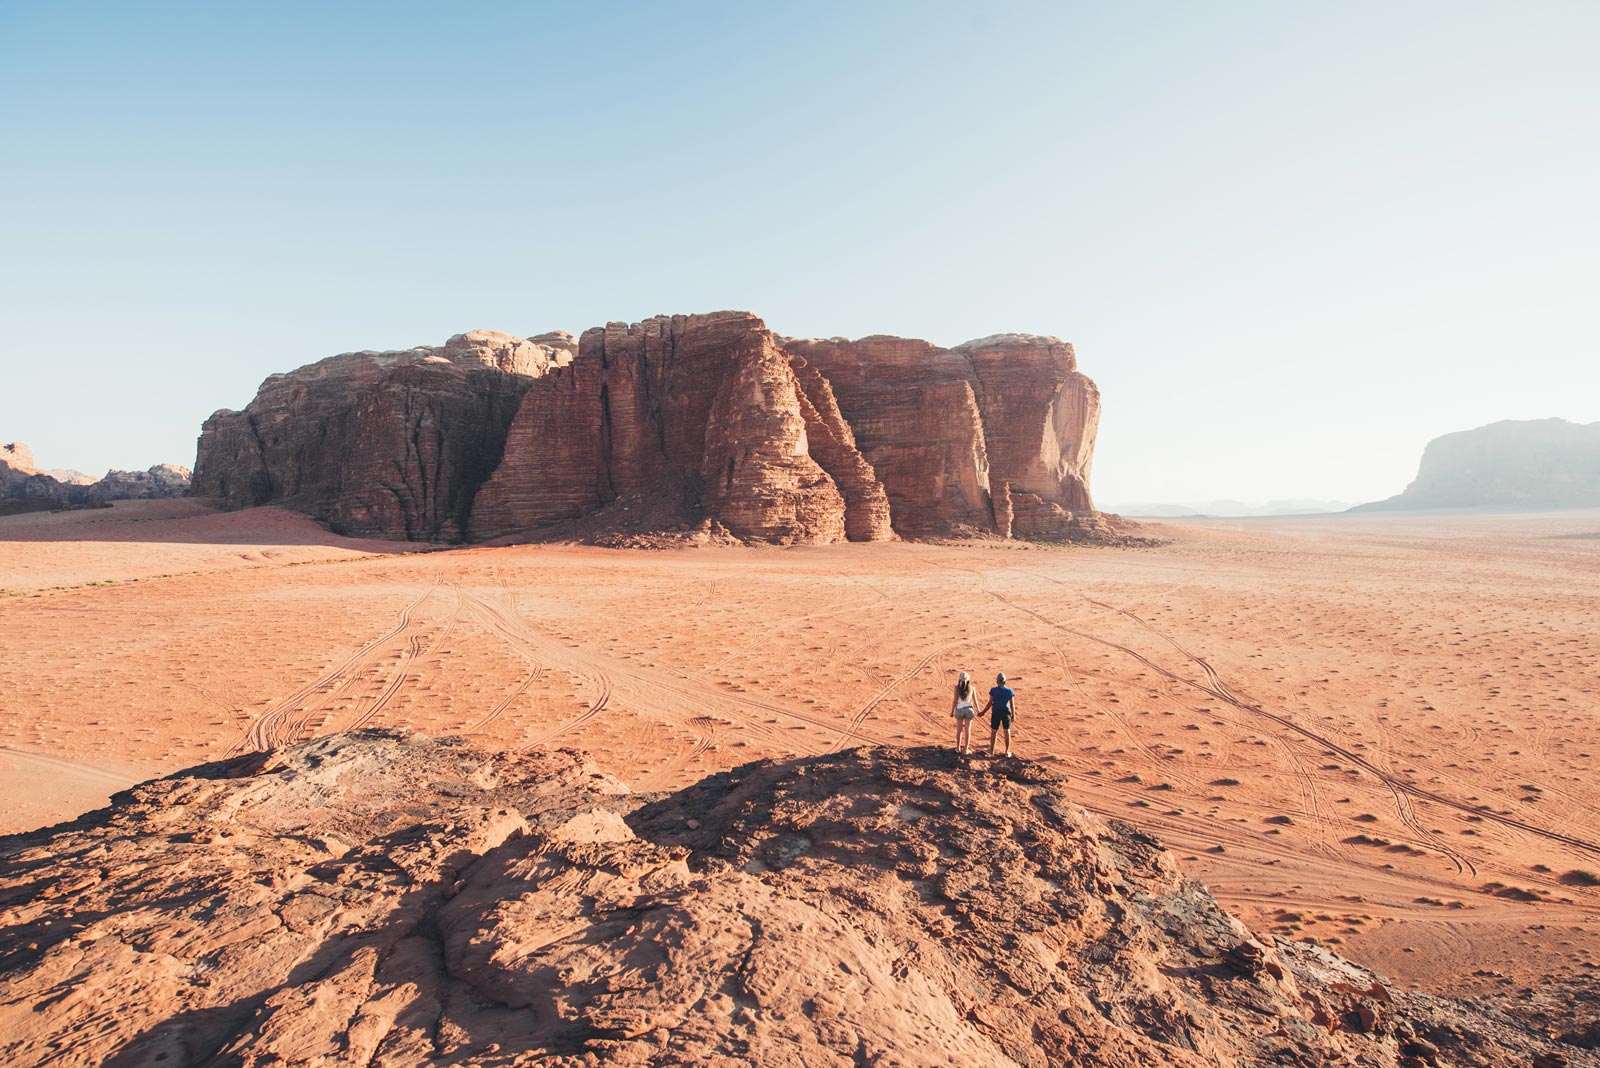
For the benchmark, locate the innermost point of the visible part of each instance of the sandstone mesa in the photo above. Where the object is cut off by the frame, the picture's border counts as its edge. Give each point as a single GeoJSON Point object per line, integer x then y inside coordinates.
{"type": "Point", "coordinates": [675, 423]}
{"type": "Point", "coordinates": [1515, 464]}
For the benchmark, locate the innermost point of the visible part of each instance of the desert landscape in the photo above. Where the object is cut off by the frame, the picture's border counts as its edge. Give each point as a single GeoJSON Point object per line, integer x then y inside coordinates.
{"type": "Point", "coordinates": [510, 513]}
{"type": "Point", "coordinates": [1371, 731]}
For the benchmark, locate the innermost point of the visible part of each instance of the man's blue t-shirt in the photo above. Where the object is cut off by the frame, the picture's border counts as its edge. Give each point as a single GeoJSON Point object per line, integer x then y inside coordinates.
{"type": "Point", "coordinates": [1001, 696]}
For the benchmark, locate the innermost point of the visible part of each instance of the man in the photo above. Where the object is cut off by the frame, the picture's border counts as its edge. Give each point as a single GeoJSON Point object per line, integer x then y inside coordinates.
{"type": "Point", "coordinates": [1002, 709]}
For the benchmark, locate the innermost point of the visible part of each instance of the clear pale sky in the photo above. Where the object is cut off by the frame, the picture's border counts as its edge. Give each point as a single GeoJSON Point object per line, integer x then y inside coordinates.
{"type": "Point", "coordinates": [1291, 241]}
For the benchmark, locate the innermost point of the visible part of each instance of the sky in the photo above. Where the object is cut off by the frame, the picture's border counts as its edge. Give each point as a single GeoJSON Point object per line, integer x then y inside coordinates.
{"type": "Point", "coordinates": [1292, 242]}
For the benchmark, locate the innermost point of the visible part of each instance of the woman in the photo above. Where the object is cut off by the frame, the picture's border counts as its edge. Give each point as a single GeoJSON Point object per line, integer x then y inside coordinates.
{"type": "Point", "coordinates": [963, 706]}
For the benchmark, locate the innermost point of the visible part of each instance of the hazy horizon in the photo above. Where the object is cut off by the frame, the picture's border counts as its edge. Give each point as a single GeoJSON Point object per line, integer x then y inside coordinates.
{"type": "Point", "coordinates": [1291, 244]}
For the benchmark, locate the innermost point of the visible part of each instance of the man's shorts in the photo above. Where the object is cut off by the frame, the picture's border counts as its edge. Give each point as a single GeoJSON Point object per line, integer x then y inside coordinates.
{"type": "Point", "coordinates": [999, 720]}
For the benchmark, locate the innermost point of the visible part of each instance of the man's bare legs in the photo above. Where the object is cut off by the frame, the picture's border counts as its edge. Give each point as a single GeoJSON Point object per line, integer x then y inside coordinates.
{"type": "Point", "coordinates": [993, 732]}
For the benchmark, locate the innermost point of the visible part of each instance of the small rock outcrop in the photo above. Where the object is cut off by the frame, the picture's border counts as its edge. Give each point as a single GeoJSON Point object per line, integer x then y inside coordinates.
{"type": "Point", "coordinates": [385, 900]}
{"type": "Point", "coordinates": [378, 444]}
{"type": "Point", "coordinates": [1523, 465]}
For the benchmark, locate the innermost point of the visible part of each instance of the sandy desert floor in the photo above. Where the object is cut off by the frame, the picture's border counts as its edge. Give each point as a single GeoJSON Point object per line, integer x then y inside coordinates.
{"type": "Point", "coordinates": [1376, 731]}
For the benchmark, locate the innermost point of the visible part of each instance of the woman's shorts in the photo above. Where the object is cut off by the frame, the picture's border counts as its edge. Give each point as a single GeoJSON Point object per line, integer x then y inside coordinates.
{"type": "Point", "coordinates": [964, 713]}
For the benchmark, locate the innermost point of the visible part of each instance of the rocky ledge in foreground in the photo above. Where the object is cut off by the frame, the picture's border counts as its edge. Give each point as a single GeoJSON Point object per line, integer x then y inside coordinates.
{"type": "Point", "coordinates": [377, 900]}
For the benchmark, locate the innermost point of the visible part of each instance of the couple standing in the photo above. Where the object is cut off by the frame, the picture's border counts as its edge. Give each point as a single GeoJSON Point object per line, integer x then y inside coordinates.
{"type": "Point", "coordinates": [1001, 706]}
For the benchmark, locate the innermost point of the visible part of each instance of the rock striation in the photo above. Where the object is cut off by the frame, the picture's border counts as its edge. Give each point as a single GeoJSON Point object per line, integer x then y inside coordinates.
{"type": "Point", "coordinates": [1524, 465]}
{"type": "Point", "coordinates": [378, 444]}
{"type": "Point", "coordinates": [678, 422]}
{"type": "Point", "coordinates": [385, 900]}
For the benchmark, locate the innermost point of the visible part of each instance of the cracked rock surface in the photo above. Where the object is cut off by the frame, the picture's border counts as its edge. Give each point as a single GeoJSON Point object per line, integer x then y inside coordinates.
{"type": "Point", "coordinates": [385, 899]}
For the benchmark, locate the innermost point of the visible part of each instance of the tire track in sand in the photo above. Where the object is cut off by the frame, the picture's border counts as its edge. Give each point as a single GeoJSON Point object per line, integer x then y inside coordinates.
{"type": "Point", "coordinates": [852, 730]}
{"type": "Point", "coordinates": [767, 634]}
{"type": "Point", "coordinates": [1411, 790]}
{"type": "Point", "coordinates": [646, 688]}
{"type": "Point", "coordinates": [504, 623]}
{"type": "Point", "coordinates": [415, 649]}
{"type": "Point", "coordinates": [1405, 811]}
{"type": "Point", "coordinates": [271, 729]}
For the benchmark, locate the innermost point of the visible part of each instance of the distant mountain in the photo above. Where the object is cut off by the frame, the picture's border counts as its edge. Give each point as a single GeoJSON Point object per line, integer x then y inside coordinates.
{"type": "Point", "coordinates": [1227, 509]}
{"type": "Point", "coordinates": [24, 487]}
{"type": "Point", "coordinates": [1525, 465]}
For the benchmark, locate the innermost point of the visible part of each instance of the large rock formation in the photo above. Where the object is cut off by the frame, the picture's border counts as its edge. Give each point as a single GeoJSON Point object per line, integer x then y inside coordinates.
{"type": "Point", "coordinates": [373, 899]}
{"type": "Point", "coordinates": [993, 435]}
{"type": "Point", "coordinates": [378, 444]}
{"type": "Point", "coordinates": [688, 415]}
{"type": "Point", "coordinates": [677, 421]}
{"type": "Point", "coordinates": [1513, 464]}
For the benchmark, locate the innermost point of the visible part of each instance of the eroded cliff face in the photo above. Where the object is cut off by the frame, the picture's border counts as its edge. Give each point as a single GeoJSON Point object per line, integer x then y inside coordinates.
{"type": "Point", "coordinates": [378, 444]}
{"type": "Point", "coordinates": [676, 421]}
{"type": "Point", "coordinates": [916, 422]}
{"type": "Point", "coordinates": [692, 416]}
{"type": "Point", "coordinates": [996, 435]}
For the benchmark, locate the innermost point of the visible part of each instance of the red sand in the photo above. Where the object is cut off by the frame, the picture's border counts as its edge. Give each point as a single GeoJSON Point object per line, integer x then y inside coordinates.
{"type": "Point", "coordinates": [1377, 731]}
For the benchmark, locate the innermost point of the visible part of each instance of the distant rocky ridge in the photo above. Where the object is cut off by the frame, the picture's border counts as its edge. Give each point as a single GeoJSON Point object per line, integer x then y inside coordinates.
{"type": "Point", "coordinates": [708, 423]}
{"type": "Point", "coordinates": [390, 900]}
{"type": "Point", "coordinates": [1524, 465]}
{"type": "Point", "coordinates": [25, 487]}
